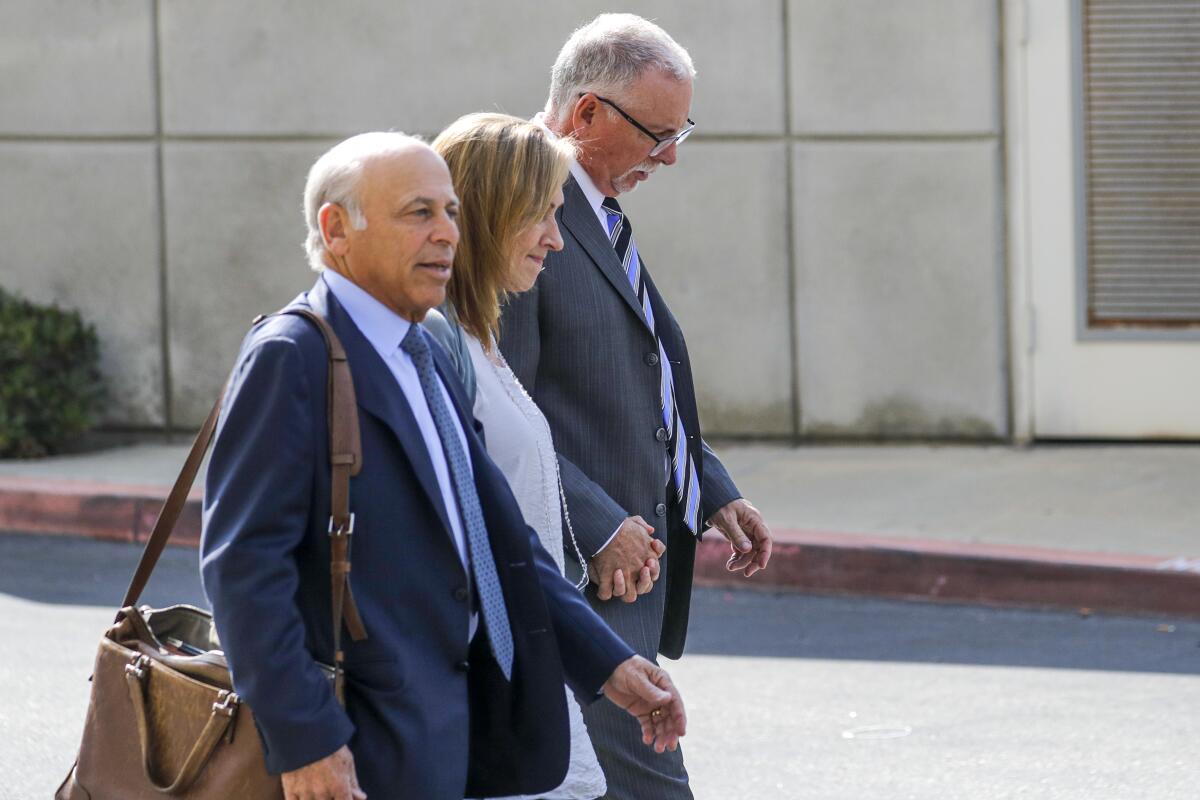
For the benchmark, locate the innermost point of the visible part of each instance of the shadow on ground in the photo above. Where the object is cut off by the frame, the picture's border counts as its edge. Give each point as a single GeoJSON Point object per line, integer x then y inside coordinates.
{"type": "Point", "coordinates": [62, 570]}
{"type": "Point", "coordinates": [72, 571]}
{"type": "Point", "coordinates": [792, 625]}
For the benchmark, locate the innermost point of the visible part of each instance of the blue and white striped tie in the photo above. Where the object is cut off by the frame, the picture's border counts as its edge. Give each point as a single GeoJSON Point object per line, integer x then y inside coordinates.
{"type": "Point", "coordinates": [483, 567]}
{"type": "Point", "coordinates": [687, 488]}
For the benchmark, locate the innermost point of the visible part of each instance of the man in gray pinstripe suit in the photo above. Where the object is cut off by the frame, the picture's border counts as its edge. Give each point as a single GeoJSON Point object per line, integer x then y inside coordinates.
{"type": "Point", "coordinates": [601, 354]}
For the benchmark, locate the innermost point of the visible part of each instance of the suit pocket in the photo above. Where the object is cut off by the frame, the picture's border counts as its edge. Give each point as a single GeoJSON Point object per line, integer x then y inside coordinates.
{"type": "Point", "coordinates": [381, 675]}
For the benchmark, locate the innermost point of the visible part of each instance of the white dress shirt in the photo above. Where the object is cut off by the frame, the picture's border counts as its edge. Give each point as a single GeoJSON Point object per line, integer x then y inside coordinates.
{"type": "Point", "coordinates": [385, 329]}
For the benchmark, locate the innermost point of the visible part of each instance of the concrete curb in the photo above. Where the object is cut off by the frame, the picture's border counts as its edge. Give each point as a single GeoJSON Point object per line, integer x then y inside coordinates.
{"type": "Point", "coordinates": [110, 511]}
{"type": "Point", "coordinates": [812, 561]}
{"type": "Point", "coordinates": [936, 570]}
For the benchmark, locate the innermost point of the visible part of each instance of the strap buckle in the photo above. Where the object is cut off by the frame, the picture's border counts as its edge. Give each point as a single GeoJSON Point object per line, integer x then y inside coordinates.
{"type": "Point", "coordinates": [227, 703]}
{"type": "Point", "coordinates": [341, 531]}
{"type": "Point", "coordinates": [138, 666]}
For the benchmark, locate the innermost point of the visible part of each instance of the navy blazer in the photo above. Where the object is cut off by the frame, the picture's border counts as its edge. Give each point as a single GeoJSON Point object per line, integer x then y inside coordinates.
{"type": "Point", "coordinates": [427, 715]}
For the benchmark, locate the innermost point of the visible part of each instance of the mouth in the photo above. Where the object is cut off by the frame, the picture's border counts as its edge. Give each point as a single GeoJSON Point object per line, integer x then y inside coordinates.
{"type": "Point", "coordinates": [539, 260]}
{"type": "Point", "coordinates": [638, 175]}
{"type": "Point", "coordinates": [439, 268]}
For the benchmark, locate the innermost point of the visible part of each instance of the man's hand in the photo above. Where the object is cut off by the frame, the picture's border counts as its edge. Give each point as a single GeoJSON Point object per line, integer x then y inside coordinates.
{"type": "Point", "coordinates": [747, 533]}
{"type": "Point", "coordinates": [628, 565]}
{"type": "Point", "coordinates": [331, 778]}
{"type": "Point", "coordinates": [646, 692]}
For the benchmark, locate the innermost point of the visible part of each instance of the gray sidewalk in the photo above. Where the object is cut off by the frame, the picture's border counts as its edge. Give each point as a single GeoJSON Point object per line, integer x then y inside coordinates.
{"type": "Point", "coordinates": [1108, 526]}
{"type": "Point", "coordinates": [1142, 499]}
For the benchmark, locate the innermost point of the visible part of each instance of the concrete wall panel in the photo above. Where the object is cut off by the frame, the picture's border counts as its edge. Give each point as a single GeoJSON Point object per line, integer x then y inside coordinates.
{"type": "Point", "coordinates": [738, 53]}
{"type": "Point", "coordinates": [76, 68]}
{"type": "Point", "coordinates": [713, 232]}
{"type": "Point", "coordinates": [235, 236]}
{"type": "Point", "coordinates": [82, 232]}
{"type": "Point", "coordinates": [899, 289]}
{"type": "Point", "coordinates": [279, 67]}
{"type": "Point", "coordinates": [881, 66]}
{"type": "Point", "coordinates": [896, 240]}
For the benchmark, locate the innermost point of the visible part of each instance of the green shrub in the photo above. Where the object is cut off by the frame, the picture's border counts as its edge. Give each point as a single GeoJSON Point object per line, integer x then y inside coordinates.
{"type": "Point", "coordinates": [50, 384]}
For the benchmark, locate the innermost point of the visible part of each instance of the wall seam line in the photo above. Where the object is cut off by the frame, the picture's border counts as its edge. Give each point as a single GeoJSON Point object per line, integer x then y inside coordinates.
{"type": "Point", "coordinates": [160, 189]}
{"type": "Point", "coordinates": [1007, 364]}
{"type": "Point", "coordinates": [790, 222]}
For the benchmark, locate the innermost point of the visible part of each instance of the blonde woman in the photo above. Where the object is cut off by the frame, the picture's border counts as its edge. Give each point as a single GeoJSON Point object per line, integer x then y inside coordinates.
{"type": "Point", "coordinates": [508, 175]}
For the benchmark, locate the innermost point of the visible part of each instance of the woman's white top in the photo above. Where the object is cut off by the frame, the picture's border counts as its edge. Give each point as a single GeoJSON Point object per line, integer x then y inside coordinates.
{"type": "Point", "coordinates": [519, 441]}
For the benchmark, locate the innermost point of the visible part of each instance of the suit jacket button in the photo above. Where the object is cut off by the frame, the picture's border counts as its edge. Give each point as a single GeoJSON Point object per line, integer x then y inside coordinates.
{"type": "Point", "coordinates": [661, 434]}
{"type": "Point", "coordinates": [463, 666]}
{"type": "Point", "coordinates": [661, 509]}
{"type": "Point", "coordinates": [652, 359]}
{"type": "Point", "coordinates": [460, 594]}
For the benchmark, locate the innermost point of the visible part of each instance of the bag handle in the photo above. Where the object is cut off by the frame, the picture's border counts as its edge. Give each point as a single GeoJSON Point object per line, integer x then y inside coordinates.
{"type": "Point", "coordinates": [345, 456]}
{"type": "Point", "coordinates": [217, 727]}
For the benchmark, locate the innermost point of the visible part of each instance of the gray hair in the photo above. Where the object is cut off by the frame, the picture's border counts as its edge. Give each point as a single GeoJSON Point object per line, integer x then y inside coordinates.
{"type": "Point", "coordinates": [607, 55]}
{"type": "Point", "coordinates": [334, 179]}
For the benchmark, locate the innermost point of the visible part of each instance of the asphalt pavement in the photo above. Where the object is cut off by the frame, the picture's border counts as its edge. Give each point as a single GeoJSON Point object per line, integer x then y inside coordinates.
{"type": "Point", "coordinates": [789, 695]}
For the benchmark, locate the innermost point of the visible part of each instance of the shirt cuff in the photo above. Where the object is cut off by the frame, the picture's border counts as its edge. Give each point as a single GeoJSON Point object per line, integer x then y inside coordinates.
{"type": "Point", "coordinates": [608, 541]}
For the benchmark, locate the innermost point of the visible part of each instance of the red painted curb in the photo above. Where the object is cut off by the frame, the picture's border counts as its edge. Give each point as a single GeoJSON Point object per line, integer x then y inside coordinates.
{"type": "Point", "coordinates": [813, 561]}
{"type": "Point", "coordinates": [949, 571]}
{"type": "Point", "coordinates": [115, 512]}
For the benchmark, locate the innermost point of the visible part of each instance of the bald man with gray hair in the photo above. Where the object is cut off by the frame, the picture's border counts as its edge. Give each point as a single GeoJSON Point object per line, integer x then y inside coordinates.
{"type": "Point", "coordinates": [600, 352]}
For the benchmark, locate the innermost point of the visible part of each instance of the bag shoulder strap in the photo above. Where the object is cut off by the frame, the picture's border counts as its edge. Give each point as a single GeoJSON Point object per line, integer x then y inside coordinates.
{"type": "Point", "coordinates": [345, 460]}
{"type": "Point", "coordinates": [345, 456]}
{"type": "Point", "coordinates": [168, 515]}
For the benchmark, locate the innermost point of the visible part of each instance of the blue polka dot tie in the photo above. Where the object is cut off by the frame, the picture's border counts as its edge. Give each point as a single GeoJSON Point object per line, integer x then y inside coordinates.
{"type": "Point", "coordinates": [483, 567]}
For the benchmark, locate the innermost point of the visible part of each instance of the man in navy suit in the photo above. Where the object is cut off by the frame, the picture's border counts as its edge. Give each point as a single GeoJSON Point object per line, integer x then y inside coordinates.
{"type": "Point", "coordinates": [457, 689]}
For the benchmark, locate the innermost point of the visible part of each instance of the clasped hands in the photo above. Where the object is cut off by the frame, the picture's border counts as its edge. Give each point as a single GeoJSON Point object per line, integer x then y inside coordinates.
{"type": "Point", "coordinates": [628, 565]}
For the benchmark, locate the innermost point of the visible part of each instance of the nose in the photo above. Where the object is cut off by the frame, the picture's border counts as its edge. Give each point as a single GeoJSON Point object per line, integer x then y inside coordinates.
{"type": "Point", "coordinates": [446, 231]}
{"type": "Point", "coordinates": [553, 238]}
{"type": "Point", "coordinates": [668, 156]}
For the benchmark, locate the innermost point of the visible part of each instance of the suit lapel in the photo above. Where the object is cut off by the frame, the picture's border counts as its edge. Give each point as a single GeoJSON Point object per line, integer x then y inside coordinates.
{"type": "Point", "coordinates": [474, 433]}
{"type": "Point", "coordinates": [579, 219]}
{"type": "Point", "coordinates": [377, 393]}
{"type": "Point", "coordinates": [453, 384]}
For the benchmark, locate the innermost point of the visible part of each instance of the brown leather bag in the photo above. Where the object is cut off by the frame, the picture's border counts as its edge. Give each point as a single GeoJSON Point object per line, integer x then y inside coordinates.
{"type": "Point", "coordinates": [164, 718]}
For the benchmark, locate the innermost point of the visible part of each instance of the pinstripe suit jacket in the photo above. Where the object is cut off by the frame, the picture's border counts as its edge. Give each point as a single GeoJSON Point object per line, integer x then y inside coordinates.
{"type": "Point", "coordinates": [579, 343]}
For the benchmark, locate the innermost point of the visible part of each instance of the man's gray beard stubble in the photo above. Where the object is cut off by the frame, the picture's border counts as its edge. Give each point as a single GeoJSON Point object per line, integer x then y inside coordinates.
{"type": "Point", "coordinates": [636, 183]}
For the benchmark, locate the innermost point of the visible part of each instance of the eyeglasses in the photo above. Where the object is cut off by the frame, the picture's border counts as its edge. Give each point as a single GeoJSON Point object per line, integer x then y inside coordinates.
{"type": "Point", "coordinates": [660, 143]}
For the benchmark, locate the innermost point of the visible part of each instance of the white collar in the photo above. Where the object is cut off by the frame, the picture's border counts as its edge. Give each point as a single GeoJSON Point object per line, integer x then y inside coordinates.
{"type": "Point", "coordinates": [384, 328]}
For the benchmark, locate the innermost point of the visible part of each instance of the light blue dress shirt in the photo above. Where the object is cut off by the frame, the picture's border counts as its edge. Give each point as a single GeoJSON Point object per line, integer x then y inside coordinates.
{"type": "Point", "coordinates": [384, 329]}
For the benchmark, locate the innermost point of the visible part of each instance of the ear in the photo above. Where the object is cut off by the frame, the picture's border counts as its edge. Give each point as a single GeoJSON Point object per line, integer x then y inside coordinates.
{"type": "Point", "coordinates": [334, 223]}
{"type": "Point", "coordinates": [583, 116]}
